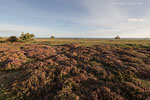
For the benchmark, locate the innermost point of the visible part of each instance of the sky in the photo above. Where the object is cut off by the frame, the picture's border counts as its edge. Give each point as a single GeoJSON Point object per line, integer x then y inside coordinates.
{"type": "Point", "coordinates": [76, 18]}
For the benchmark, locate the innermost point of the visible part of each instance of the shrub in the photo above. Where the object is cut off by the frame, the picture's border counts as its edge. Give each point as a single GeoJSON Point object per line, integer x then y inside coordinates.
{"type": "Point", "coordinates": [26, 37]}
{"type": "Point", "coordinates": [117, 37]}
{"type": "Point", "coordinates": [52, 37]}
{"type": "Point", "coordinates": [12, 39]}
{"type": "Point", "coordinates": [1, 37]}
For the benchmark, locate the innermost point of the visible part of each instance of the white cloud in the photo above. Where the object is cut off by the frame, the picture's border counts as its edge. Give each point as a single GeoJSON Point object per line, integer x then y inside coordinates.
{"type": "Point", "coordinates": [102, 13]}
{"type": "Point", "coordinates": [121, 24]}
{"type": "Point", "coordinates": [17, 28]}
{"type": "Point", "coordinates": [135, 20]}
{"type": "Point", "coordinates": [7, 30]}
{"type": "Point", "coordinates": [109, 20]}
{"type": "Point", "coordinates": [10, 30]}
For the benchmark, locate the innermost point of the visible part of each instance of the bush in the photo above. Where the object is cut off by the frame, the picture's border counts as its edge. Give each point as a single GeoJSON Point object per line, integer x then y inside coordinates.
{"type": "Point", "coordinates": [26, 37]}
{"type": "Point", "coordinates": [12, 39]}
{"type": "Point", "coordinates": [117, 37]}
{"type": "Point", "coordinates": [52, 37]}
{"type": "Point", "coordinates": [1, 37]}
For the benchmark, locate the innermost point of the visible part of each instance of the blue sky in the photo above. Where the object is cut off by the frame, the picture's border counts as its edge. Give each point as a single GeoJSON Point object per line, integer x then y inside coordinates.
{"type": "Point", "coordinates": [76, 18]}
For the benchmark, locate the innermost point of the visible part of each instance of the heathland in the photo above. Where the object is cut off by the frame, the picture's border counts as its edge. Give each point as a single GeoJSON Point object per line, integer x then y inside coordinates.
{"type": "Point", "coordinates": [75, 69]}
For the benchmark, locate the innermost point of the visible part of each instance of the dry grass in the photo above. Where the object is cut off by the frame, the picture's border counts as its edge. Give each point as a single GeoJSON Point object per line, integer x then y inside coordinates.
{"type": "Point", "coordinates": [89, 42]}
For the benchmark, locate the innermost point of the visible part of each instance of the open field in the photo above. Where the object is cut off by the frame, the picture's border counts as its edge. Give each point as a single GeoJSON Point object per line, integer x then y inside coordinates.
{"type": "Point", "coordinates": [90, 42]}
{"type": "Point", "coordinates": [88, 69]}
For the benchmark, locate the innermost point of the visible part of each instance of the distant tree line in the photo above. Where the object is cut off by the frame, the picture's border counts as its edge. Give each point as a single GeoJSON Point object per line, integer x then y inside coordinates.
{"type": "Point", "coordinates": [29, 37]}
{"type": "Point", "coordinates": [24, 37]}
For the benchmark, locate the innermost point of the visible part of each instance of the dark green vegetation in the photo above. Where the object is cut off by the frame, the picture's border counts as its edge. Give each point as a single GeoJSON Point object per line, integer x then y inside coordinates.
{"type": "Point", "coordinates": [116, 70]}
{"type": "Point", "coordinates": [117, 37]}
{"type": "Point", "coordinates": [23, 38]}
{"type": "Point", "coordinates": [12, 39]}
{"type": "Point", "coordinates": [52, 37]}
{"type": "Point", "coordinates": [26, 37]}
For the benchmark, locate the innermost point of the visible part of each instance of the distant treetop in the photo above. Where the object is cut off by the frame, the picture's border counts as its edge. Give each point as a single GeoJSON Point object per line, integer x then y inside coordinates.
{"type": "Point", "coordinates": [117, 37]}
{"type": "Point", "coordinates": [52, 37]}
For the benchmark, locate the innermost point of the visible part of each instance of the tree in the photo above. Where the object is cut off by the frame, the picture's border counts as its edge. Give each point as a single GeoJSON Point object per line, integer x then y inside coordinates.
{"type": "Point", "coordinates": [52, 37]}
{"type": "Point", "coordinates": [26, 37]}
{"type": "Point", "coordinates": [117, 37]}
{"type": "Point", "coordinates": [12, 39]}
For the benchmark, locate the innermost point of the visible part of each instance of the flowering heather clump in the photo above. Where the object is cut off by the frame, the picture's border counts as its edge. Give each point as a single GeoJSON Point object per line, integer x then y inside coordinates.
{"type": "Point", "coordinates": [73, 45]}
{"type": "Point", "coordinates": [74, 72]}
{"type": "Point", "coordinates": [11, 63]}
{"type": "Point", "coordinates": [11, 57]}
{"type": "Point", "coordinates": [38, 52]}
